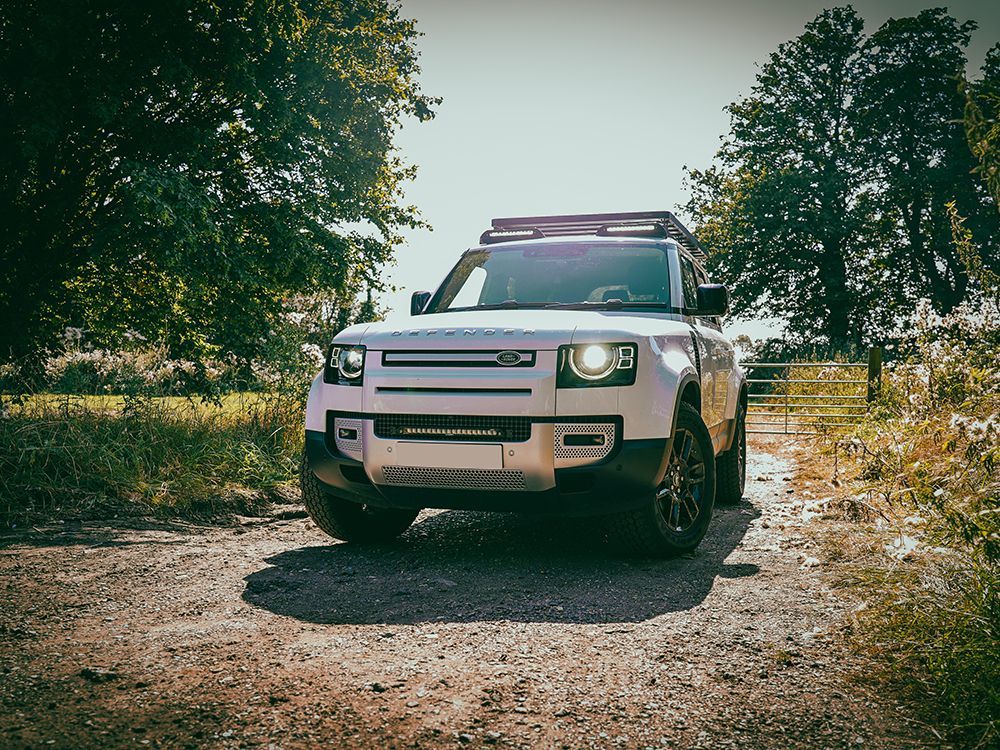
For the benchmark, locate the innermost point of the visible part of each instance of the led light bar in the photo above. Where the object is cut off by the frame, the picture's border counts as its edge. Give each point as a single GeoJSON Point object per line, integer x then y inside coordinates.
{"type": "Point", "coordinates": [452, 431]}
{"type": "Point", "coordinates": [492, 236]}
{"type": "Point", "coordinates": [632, 230]}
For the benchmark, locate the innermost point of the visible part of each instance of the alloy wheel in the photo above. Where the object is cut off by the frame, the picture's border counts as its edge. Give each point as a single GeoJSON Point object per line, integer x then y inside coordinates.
{"type": "Point", "coordinates": [680, 495]}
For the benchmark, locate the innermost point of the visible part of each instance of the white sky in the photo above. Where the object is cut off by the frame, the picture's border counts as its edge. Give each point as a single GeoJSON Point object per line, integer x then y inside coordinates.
{"type": "Point", "coordinates": [576, 107]}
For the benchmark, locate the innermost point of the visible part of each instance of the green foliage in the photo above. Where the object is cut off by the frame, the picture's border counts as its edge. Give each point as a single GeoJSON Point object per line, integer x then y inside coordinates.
{"type": "Point", "coordinates": [935, 622]}
{"type": "Point", "coordinates": [827, 202]}
{"type": "Point", "coordinates": [982, 121]}
{"type": "Point", "coordinates": [935, 441]}
{"type": "Point", "coordinates": [71, 457]}
{"type": "Point", "coordinates": [914, 149]}
{"type": "Point", "coordinates": [775, 210]}
{"type": "Point", "coordinates": [930, 461]}
{"type": "Point", "coordinates": [180, 170]}
{"type": "Point", "coordinates": [284, 363]}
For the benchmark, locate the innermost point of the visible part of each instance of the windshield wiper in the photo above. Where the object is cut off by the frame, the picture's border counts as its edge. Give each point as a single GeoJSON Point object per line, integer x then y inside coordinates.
{"type": "Point", "coordinates": [613, 304]}
{"type": "Point", "coordinates": [509, 304]}
{"type": "Point", "coordinates": [515, 305]}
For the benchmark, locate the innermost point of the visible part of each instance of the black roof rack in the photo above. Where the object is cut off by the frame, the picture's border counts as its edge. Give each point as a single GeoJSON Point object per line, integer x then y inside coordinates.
{"type": "Point", "coordinates": [583, 224]}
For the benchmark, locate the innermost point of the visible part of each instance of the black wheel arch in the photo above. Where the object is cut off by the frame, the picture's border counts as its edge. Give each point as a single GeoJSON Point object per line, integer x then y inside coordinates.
{"type": "Point", "coordinates": [689, 392]}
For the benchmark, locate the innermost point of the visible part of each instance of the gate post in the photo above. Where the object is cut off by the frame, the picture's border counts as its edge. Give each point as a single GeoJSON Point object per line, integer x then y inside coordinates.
{"type": "Point", "coordinates": [874, 373]}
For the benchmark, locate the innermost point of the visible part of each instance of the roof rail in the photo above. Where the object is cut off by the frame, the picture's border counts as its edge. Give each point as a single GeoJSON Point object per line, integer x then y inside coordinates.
{"type": "Point", "coordinates": [583, 224]}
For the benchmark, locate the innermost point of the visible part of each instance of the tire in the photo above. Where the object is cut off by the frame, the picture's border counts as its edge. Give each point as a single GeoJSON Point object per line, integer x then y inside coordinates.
{"type": "Point", "coordinates": [347, 520]}
{"type": "Point", "coordinates": [731, 466]}
{"type": "Point", "coordinates": [666, 526]}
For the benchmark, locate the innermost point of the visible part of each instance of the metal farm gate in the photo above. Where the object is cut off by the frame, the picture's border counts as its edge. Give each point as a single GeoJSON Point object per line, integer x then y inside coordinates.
{"type": "Point", "coordinates": [805, 398]}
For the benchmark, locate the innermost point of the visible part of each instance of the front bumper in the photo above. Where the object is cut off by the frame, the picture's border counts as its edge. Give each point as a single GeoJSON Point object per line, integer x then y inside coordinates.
{"type": "Point", "coordinates": [542, 483]}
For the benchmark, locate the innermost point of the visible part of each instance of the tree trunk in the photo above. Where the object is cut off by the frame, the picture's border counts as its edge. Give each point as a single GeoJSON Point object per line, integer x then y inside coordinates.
{"type": "Point", "coordinates": [839, 302]}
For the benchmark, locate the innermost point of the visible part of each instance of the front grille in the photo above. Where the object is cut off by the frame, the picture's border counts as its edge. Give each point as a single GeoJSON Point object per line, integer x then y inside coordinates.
{"type": "Point", "coordinates": [503, 480]}
{"type": "Point", "coordinates": [460, 358]}
{"type": "Point", "coordinates": [453, 427]}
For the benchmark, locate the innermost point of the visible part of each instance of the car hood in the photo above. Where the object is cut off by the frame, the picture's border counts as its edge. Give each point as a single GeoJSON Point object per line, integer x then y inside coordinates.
{"type": "Point", "coordinates": [505, 329]}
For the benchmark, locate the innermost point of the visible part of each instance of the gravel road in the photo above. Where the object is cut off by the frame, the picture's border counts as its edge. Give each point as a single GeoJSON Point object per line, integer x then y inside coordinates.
{"type": "Point", "coordinates": [472, 630]}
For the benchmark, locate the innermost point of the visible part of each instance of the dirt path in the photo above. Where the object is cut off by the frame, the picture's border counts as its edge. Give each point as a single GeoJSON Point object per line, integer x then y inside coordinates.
{"type": "Point", "coordinates": [474, 630]}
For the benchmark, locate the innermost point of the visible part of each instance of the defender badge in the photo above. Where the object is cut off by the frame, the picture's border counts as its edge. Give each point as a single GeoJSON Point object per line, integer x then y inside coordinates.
{"type": "Point", "coordinates": [509, 358]}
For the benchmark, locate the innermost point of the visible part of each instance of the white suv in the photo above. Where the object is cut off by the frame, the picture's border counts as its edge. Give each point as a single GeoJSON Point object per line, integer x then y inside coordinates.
{"type": "Point", "coordinates": [567, 365]}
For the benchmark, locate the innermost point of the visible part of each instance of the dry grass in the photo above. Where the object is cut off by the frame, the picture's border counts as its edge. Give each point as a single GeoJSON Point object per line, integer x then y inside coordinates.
{"type": "Point", "coordinates": [910, 525]}
{"type": "Point", "coordinates": [87, 456]}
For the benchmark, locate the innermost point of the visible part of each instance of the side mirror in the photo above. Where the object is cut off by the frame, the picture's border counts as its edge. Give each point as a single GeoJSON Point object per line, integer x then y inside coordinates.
{"type": "Point", "coordinates": [418, 301]}
{"type": "Point", "coordinates": [713, 299]}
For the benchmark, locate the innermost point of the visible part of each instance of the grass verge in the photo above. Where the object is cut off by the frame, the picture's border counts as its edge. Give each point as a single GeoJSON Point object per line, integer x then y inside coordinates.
{"type": "Point", "coordinates": [913, 535]}
{"type": "Point", "coordinates": [100, 456]}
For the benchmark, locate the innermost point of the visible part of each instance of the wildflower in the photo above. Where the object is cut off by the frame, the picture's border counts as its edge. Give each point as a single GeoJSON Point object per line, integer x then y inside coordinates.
{"type": "Point", "coordinates": [313, 353]}
{"type": "Point", "coordinates": [72, 335]}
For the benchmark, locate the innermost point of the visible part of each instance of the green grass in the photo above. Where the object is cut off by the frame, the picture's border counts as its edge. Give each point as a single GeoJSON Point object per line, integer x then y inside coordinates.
{"type": "Point", "coordinates": [932, 625]}
{"type": "Point", "coordinates": [96, 456]}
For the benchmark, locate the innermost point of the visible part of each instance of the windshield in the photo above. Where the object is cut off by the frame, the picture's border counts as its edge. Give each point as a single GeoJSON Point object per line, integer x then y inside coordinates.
{"type": "Point", "coordinates": [557, 275]}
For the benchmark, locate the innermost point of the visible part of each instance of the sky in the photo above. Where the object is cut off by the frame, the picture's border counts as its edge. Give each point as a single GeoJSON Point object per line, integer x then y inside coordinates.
{"type": "Point", "coordinates": [554, 107]}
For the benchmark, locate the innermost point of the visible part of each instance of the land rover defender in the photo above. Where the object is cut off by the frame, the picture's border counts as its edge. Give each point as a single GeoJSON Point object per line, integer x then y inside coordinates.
{"type": "Point", "coordinates": [566, 365]}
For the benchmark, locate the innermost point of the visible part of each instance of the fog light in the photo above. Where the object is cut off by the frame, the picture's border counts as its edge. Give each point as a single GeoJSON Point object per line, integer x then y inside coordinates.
{"type": "Point", "coordinates": [582, 439]}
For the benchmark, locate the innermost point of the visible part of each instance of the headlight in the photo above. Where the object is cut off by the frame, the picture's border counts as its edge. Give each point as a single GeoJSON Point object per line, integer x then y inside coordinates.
{"type": "Point", "coordinates": [592, 362]}
{"type": "Point", "coordinates": [345, 365]}
{"type": "Point", "coordinates": [583, 365]}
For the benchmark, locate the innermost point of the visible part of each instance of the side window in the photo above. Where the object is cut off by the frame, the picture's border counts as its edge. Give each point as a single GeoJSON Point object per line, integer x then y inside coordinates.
{"type": "Point", "coordinates": [689, 284]}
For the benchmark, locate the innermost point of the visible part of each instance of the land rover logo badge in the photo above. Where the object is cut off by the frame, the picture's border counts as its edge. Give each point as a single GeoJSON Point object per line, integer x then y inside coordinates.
{"type": "Point", "coordinates": [509, 358]}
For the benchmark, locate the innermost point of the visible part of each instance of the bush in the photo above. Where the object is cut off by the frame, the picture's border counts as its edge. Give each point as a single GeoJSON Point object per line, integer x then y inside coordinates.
{"type": "Point", "coordinates": [83, 368]}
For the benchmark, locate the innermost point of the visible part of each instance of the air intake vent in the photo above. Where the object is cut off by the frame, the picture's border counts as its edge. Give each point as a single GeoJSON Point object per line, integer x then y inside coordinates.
{"type": "Point", "coordinates": [347, 437]}
{"type": "Point", "coordinates": [697, 354]}
{"type": "Point", "coordinates": [569, 452]}
{"type": "Point", "coordinates": [502, 480]}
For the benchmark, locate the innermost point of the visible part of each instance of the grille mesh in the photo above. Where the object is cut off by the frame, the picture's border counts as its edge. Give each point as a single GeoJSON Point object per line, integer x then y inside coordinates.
{"type": "Point", "coordinates": [576, 455]}
{"type": "Point", "coordinates": [473, 479]}
{"type": "Point", "coordinates": [350, 448]}
{"type": "Point", "coordinates": [453, 427]}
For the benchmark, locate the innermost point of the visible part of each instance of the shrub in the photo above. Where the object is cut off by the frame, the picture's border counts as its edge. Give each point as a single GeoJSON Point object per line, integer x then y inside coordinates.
{"type": "Point", "coordinates": [131, 430]}
{"type": "Point", "coordinates": [930, 456]}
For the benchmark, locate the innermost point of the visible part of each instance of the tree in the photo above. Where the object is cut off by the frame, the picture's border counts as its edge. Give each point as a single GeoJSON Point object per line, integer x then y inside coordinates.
{"type": "Point", "coordinates": [982, 125]}
{"type": "Point", "coordinates": [778, 210]}
{"type": "Point", "coordinates": [910, 135]}
{"type": "Point", "coordinates": [181, 168]}
{"type": "Point", "coordinates": [828, 200]}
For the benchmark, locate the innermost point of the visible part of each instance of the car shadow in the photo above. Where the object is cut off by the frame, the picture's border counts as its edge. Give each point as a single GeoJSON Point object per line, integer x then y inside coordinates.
{"type": "Point", "coordinates": [466, 567]}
